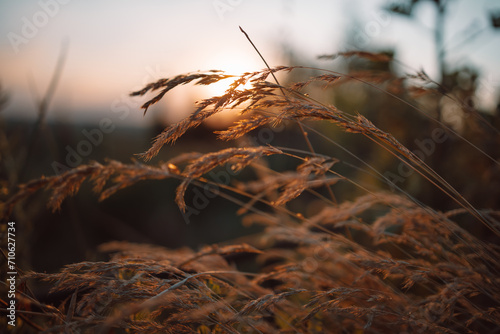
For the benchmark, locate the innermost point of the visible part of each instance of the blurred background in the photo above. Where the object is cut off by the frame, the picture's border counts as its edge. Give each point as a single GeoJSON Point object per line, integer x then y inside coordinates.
{"type": "Point", "coordinates": [67, 67]}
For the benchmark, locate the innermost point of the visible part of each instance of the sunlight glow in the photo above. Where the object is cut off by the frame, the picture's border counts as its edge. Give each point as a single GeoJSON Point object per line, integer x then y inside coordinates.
{"type": "Point", "coordinates": [224, 118]}
{"type": "Point", "coordinates": [231, 65]}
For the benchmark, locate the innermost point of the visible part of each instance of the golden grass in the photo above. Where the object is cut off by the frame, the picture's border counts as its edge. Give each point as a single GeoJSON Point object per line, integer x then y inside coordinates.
{"type": "Point", "coordinates": [381, 263]}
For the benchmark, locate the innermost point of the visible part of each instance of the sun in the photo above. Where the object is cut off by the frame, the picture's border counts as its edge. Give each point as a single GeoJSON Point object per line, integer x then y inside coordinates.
{"type": "Point", "coordinates": [219, 88]}
{"type": "Point", "coordinates": [227, 116]}
{"type": "Point", "coordinates": [231, 65]}
{"type": "Point", "coordinates": [181, 102]}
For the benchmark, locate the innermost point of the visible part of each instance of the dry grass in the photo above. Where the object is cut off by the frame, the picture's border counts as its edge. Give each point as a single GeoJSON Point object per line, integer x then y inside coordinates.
{"type": "Point", "coordinates": [380, 263]}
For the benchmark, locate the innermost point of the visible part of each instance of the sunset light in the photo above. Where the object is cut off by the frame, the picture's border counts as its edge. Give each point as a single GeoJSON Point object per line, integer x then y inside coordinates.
{"type": "Point", "coordinates": [250, 166]}
{"type": "Point", "coordinates": [234, 67]}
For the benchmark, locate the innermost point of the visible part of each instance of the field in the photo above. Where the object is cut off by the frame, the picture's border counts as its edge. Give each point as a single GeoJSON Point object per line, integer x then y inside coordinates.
{"type": "Point", "coordinates": [366, 201]}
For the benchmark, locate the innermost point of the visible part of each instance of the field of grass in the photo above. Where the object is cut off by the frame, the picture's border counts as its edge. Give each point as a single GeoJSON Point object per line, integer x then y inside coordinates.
{"type": "Point", "coordinates": [382, 221]}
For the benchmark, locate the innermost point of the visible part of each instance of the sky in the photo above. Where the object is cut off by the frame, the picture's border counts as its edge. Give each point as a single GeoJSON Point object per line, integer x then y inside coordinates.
{"type": "Point", "coordinates": [117, 46]}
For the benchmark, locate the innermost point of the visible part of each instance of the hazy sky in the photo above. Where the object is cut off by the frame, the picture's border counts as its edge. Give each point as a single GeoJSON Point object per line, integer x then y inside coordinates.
{"type": "Point", "coordinates": [117, 46]}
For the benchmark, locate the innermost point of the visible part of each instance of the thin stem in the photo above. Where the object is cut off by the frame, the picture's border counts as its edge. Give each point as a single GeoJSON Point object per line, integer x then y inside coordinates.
{"type": "Point", "coordinates": [406, 103]}
{"type": "Point", "coordinates": [304, 133]}
{"type": "Point", "coordinates": [43, 107]}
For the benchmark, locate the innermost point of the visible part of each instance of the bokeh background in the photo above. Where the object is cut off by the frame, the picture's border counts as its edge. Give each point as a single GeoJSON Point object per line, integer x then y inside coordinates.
{"type": "Point", "coordinates": [67, 67]}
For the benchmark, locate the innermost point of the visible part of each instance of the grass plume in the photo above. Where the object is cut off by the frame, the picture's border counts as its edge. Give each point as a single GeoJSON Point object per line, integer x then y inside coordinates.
{"type": "Point", "coordinates": [377, 263]}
